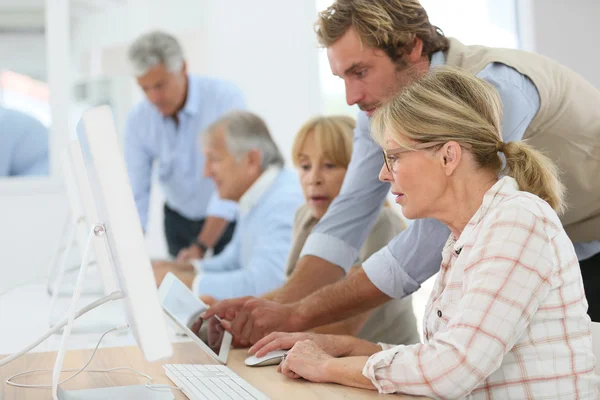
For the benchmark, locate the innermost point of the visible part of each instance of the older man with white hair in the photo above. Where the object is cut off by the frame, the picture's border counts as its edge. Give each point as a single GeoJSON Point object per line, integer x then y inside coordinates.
{"type": "Point", "coordinates": [163, 129]}
{"type": "Point", "coordinates": [247, 167]}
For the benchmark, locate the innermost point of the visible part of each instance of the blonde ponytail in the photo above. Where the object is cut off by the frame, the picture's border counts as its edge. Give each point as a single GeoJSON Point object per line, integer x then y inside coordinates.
{"type": "Point", "coordinates": [535, 173]}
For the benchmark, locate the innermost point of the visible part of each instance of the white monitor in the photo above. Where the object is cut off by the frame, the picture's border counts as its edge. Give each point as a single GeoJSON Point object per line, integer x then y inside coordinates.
{"type": "Point", "coordinates": [83, 210]}
{"type": "Point", "coordinates": [82, 213]}
{"type": "Point", "coordinates": [126, 258]}
{"type": "Point", "coordinates": [82, 201]}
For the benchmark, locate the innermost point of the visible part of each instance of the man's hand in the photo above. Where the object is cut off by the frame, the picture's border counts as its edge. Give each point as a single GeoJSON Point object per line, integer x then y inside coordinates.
{"type": "Point", "coordinates": [190, 253]}
{"type": "Point", "coordinates": [208, 300]}
{"type": "Point", "coordinates": [257, 318]}
{"type": "Point", "coordinates": [227, 309]}
{"type": "Point", "coordinates": [196, 326]}
{"type": "Point", "coordinates": [215, 335]}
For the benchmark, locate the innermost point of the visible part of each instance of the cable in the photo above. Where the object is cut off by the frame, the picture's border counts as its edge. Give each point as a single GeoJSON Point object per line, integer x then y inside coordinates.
{"type": "Point", "coordinates": [148, 384]}
{"type": "Point", "coordinates": [61, 324]}
{"type": "Point", "coordinates": [8, 380]}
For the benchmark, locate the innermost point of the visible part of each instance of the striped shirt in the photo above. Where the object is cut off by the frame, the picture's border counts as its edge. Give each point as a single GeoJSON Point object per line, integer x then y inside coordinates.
{"type": "Point", "coordinates": [507, 316]}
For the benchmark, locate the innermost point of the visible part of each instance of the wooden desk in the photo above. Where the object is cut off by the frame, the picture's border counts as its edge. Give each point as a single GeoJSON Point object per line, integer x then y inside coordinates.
{"type": "Point", "coordinates": [265, 379]}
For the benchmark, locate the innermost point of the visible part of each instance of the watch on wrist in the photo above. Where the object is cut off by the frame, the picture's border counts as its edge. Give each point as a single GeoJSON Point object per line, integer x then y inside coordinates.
{"type": "Point", "coordinates": [200, 245]}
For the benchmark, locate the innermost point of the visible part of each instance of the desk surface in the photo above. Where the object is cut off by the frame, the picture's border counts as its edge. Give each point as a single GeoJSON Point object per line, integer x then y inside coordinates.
{"type": "Point", "coordinates": [265, 379]}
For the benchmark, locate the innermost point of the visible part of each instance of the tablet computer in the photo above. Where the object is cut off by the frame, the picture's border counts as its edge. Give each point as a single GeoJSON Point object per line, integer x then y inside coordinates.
{"type": "Point", "coordinates": [185, 308]}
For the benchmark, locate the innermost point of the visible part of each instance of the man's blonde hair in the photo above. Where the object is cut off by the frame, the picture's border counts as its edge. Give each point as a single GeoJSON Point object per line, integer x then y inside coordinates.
{"type": "Point", "coordinates": [333, 135]}
{"type": "Point", "coordinates": [449, 104]}
{"type": "Point", "coordinates": [389, 25]}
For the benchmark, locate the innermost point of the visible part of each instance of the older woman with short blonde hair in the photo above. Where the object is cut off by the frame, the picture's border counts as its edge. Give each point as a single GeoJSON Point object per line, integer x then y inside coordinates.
{"type": "Point", "coordinates": [321, 152]}
{"type": "Point", "coordinates": [507, 315]}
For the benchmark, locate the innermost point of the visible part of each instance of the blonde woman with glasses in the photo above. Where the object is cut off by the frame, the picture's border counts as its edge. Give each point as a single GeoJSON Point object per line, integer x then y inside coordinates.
{"type": "Point", "coordinates": [507, 316]}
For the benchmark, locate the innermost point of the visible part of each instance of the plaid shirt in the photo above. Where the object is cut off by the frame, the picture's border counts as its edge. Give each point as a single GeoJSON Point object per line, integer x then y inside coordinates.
{"type": "Point", "coordinates": [507, 316]}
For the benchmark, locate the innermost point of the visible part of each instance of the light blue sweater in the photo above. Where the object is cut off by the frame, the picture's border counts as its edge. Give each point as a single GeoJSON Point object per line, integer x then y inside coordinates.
{"type": "Point", "coordinates": [254, 262]}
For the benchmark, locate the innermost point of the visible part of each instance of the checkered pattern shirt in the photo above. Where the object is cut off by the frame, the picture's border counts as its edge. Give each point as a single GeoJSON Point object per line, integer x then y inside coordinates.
{"type": "Point", "coordinates": [507, 317]}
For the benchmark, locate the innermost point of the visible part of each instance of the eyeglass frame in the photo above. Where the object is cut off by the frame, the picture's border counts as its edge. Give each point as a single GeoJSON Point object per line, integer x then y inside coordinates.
{"type": "Point", "coordinates": [417, 147]}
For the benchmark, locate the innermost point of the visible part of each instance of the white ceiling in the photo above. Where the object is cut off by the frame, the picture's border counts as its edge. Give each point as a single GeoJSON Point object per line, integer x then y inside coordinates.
{"type": "Point", "coordinates": [27, 16]}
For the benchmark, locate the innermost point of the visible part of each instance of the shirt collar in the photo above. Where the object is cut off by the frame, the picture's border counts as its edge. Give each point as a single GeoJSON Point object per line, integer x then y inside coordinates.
{"type": "Point", "coordinates": [258, 188]}
{"type": "Point", "coordinates": [505, 187]}
{"type": "Point", "coordinates": [437, 59]}
{"type": "Point", "coordinates": [192, 100]}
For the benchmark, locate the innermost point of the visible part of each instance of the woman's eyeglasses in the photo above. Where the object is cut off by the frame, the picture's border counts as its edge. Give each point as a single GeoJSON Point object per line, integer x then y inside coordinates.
{"type": "Point", "coordinates": [389, 161]}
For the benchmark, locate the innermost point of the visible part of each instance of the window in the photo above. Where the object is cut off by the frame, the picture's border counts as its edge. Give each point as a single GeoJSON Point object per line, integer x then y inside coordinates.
{"type": "Point", "coordinates": [490, 23]}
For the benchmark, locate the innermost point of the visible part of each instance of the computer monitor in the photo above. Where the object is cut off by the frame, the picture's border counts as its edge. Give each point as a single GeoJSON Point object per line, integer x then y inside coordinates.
{"type": "Point", "coordinates": [126, 258]}
{"type": "Point", "coordinates": [77, 223]}
{"type": "Point", "coordinates": [82, 214]}
{"type": "Point", "coordinates": [122, 258]}
{"type": "Point", "coordinates": [82, 201]}
{"type": "Point", "coordinates": [81, 217]}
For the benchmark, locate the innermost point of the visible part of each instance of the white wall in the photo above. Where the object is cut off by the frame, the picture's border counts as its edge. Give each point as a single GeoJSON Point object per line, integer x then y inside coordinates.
{"type": "Point", "coordinates": [273, 59]}
{"type": "Point", "coordinates": [24, 53]}
{"type": "Point", "coordinates": [32, 215]}
{"type": "Point", "coordinates": [565, 30]}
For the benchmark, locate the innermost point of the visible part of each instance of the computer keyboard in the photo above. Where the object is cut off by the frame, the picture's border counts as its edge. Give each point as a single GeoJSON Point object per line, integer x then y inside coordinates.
{"type": "Point", "coordinates": [210, 382]}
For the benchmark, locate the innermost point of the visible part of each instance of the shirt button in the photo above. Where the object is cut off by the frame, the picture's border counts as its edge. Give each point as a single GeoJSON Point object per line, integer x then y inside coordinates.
{"type": "Point", "coordinates": [439, 313]}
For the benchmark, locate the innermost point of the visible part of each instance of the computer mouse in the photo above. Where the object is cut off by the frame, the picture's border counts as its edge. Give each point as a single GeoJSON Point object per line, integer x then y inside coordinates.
{"type": "Point", "coordinates": [272, 358]}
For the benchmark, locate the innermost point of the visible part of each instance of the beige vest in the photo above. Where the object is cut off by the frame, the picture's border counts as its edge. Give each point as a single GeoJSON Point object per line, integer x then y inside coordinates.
{"type": "Point", "coordinates": [395, 321]}
{"type": "Point", "coordinates": [566, 128]}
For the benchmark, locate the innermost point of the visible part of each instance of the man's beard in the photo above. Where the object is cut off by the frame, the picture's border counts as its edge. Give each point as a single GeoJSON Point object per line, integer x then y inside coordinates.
{"type": "Point", "coordinates": [370, 106]}
{"type": "Point", "coordinates": [402, 79]}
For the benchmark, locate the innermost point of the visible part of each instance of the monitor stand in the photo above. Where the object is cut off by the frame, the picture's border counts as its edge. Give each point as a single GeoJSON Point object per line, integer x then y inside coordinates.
{"type": "Point", "coordinates": [119, 392]}
{"type": "Point", "coordinates": [137, 392]}
{"type": "Point", "coordinates": [56, 274]}
{"type": "Point", "coordinates": [67, 239]}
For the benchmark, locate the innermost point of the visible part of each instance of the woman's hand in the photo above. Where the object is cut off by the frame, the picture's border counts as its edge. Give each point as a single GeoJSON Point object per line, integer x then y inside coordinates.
{"type": "Point", "coordinates": [334, 345]}
{"type": "Point", "coordinates": [306, 360]}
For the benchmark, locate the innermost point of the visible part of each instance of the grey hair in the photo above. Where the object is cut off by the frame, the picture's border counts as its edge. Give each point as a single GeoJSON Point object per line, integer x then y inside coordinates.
{"type": "Point", "coordinates": [245, 131]}
{"type": "Point", "coordinates": [155, 48]}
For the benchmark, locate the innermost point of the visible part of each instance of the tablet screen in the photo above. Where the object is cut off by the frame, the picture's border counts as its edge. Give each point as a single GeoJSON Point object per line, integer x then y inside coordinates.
{"type": "Point", "coordinates": [186, 308]}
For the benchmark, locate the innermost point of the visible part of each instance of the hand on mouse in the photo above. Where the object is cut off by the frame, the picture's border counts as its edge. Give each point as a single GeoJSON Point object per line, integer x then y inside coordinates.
{"type": "Point", "coordinates": [305, 360]}
{"type": "Point", "coordinates": [333, 345]}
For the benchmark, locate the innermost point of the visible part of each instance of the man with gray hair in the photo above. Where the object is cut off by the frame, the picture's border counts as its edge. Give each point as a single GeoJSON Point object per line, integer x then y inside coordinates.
{"type": "Point", "coordinates": [163, 129]}
{"type": "Point", "coordinates": [247, 167]}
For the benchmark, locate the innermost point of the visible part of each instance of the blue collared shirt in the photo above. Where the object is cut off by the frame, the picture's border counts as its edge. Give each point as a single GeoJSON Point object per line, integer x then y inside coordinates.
{"type": "Point", "coordinates": [150, 137]}
{"type": "Point", "coordinates": [254, 262]}
{"type": "Point", "coordinates": [415, 254]}
{"type": "Point", "coordinates": [23, 144]}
